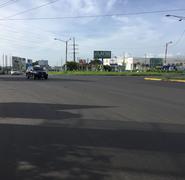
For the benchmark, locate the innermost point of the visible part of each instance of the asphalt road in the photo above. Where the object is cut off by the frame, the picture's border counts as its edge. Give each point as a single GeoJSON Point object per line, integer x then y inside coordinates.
{"type": "Point", "coordinates": [91, 128]}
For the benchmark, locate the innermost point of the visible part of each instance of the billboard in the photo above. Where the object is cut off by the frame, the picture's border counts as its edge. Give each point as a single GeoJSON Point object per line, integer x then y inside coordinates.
{"type": "Point", "coordinates": [154, 62]}
{"type": "Point", "coordinates": [18, 63]}
{"type": "Point", "coordinates": [102, 54]}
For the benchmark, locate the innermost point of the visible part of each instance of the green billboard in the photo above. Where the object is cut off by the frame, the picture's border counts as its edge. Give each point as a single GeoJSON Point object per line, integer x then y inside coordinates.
{"type": "Point", "coordinates": [154, 62]}
{"type": "Point", "coordinates": [102, 54]}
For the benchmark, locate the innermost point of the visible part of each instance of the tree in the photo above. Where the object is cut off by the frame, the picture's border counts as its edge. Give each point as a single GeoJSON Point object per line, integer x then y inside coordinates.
{"type": "Point", "coordinates": [35, 63]}
{"type": "Point", "coordinates": [96, 65]}
{"type": "Point", "coordinates": [72, 66]}
{"type": "Point", "coordinates": [95, 62]}
{"type": "Point", "coordinates": [107, 68]}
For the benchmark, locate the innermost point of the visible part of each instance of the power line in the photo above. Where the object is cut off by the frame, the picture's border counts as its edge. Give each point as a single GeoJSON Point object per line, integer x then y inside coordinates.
{"type": "Point", "coordinates": [21, 32]}
{"type": "Point", "coordinates": [7, 3]}
{"type": "Point", "coordinates": [20, 39]}
{"type": "Point", "coordinates": [33, 34]}
{"type": "Point", "coordinates": [84, 16]}
{"type": "Point", "coordinates": [31, 9]}
{"type": "Point", "coordinates": [14, 43]}
{"type": "Point", "coordinates": [25, 11]}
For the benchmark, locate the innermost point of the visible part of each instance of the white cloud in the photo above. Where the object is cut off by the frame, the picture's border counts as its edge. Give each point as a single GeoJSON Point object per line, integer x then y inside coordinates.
{"type": "Point", "coordinates": [110, 4]}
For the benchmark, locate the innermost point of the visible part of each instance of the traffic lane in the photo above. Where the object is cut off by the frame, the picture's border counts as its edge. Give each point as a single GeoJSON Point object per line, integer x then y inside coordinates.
{"type": "Point", "coordinates": [130, 98]}
{"type": "Point", "coordinates": [133, 99]}
{"type": "Point", "coordinates": [36, 152]}
{"type": "Point", "coordinates": [130, 86]}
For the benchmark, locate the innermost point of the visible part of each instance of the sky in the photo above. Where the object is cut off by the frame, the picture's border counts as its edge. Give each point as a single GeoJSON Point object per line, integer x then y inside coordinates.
{"type": "Point", "coordinates": [134, 35]}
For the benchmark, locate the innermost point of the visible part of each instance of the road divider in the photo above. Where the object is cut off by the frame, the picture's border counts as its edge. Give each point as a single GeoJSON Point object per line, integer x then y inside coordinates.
{"type": "Point", "coordinates": [177, 80]}
{"type": "Point", "coordinates": [153, 79]}
{"type": "Point", "coordinates": [168, 80]}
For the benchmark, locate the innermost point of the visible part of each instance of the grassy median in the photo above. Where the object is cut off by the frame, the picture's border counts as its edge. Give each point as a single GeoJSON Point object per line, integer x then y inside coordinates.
{"type": "Point", "coordinates": [104, 73]}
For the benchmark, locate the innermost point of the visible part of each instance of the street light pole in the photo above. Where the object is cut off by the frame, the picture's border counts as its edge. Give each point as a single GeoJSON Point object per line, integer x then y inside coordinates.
{"type": "Point", "coordinates": [166, 52]}
{"type": "Point", "coordinates": [66, 44]}
{"type": "Point", "coordinates": [181, 18]}
{"type": "Point", "coordinates": [66, 50]}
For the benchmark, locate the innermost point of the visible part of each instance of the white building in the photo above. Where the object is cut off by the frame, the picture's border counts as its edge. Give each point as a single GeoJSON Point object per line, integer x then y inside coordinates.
{"type": "Point", "coordinates": [129, 64]}
{"type": "Point", "coordinates": [106, 62]}
{"type": "Point", "coordinates": [113, 61]}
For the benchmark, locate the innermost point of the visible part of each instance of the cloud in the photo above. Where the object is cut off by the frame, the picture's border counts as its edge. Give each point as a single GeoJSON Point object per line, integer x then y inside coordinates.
{"type": "Point", "coordinates": [110, 4]}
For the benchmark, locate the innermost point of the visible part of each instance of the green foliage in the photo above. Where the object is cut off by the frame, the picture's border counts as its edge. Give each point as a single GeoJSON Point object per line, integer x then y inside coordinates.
{"type": "Point", "coordinates": [107, 68]}
{"type": "Point", "coordinates": [35, 63]}
{"type": "Point", "coordinates": [95, 62]}
{"type": "Point", "coordinates": [72, 66]}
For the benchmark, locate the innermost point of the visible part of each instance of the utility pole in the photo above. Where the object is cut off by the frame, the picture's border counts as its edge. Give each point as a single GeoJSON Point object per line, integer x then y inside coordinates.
{"type": "Point", "coordinates": [74, 49]}
{"type": "Point", "coordinates": [166, 51]}
{"type": "Point", "coordinates": [10, 61]}
{"type": "Point", "coordinates": [3, 63]}
{"type": "Point", "coordinates": [145, 58]}
{"type": "Point", "coordinates": [66, 51]}
{"type": "Point", "coordinates": [6, 63]}
{"type": "Point", "coordinates": [123, 57]}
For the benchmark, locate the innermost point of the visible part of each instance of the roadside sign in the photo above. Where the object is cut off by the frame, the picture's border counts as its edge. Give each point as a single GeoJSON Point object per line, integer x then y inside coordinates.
{"type": "Point", "coordinates": [102, 54]}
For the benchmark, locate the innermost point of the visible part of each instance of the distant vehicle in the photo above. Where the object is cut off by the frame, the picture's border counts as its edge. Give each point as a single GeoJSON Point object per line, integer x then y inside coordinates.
{"type": "Point", "coordinates": [169, 68]}
{"type": "Point", "coordinates": [36, 72]}
{"type": "Point", "coordinates": [13, 72]}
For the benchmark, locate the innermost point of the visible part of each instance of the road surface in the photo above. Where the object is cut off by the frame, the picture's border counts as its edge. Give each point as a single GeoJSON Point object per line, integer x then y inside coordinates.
{"type": "Point", "coordinates": [91, 128]}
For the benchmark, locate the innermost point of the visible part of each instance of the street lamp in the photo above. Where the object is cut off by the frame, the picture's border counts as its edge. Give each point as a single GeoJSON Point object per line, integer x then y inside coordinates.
{"type": "Point", "coordinates": [66, 43]}
{"type": "Point", "coordinates": [181, 18]}
{"type": "Point", "coordinates": [166, 51]}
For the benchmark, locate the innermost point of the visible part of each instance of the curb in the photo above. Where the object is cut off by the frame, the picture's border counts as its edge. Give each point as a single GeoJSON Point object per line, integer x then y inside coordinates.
{"type": "Point", "coordinates": [153, 79]}
{"type": "Point", "coordinates": [167, 80]}
{"type": "Point", "coordinates": [177, 80]}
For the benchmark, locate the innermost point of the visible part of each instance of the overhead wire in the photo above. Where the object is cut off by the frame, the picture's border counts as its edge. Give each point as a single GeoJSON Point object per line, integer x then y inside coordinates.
{"type": "Point", "coordinates": [7, 3]}
{"type": "Point", "coordinates": [180, 38]}
{"type": "Point", "coordinates": [31, 34]}
{"type": "Point", "coordinates": [19, 39]}
{"type": "Point", "coordinates": [25, 11]}
{"type": "Point", "coordinates": [13, 42]}
{"type": "Point", "coordinates": [9, 18]}
{"type": "Point", "coordinates": [31, 9]}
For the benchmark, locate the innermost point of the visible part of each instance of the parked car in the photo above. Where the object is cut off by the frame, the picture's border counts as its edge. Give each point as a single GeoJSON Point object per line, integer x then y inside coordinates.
{"type": "Point", "coordinates": [36, 72]}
